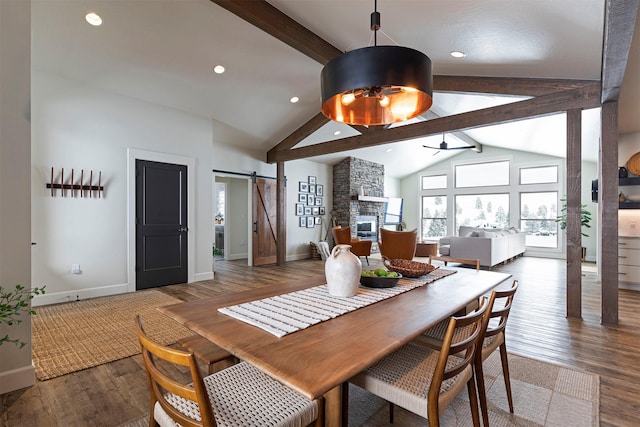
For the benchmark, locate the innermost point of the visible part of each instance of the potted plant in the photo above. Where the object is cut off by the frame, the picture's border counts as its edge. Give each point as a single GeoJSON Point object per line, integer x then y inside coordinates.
{"type": "Point", "coordinates": [585, 219]}
{"type": "Point", "coordinates": [13, 302]}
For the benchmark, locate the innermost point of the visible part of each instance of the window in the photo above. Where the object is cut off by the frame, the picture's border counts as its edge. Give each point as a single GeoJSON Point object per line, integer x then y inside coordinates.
{"type": "Point", "coordinates": [434, 182]}
{"type": "Point", "coordinates": [538, 213]}
{"type": "Point", "coordinates": [483, 210]}
{"type": "Point", "coordinates": [434, 216]}
{"type": "Point", "coordinates": [539, 175]}
{"type": "Point", "coordinates": [482, 174]}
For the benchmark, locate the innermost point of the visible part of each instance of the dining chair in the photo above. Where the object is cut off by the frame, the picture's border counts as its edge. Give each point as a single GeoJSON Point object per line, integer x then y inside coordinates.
{"type": "Point", "coordinates": [425, 381]}
{"type": "Point", "coordinates": [494, 337]}
{"type": "Point", "coordinates": [447, 259]}
{"type": "Point", "coordinates": [398, 244]}
{"type": "Point", "coordinates": [207, 352]}
{"type": "Point", "coordinates": [342, 236]}
{"type": "Point", "coordinates": [236, 396]}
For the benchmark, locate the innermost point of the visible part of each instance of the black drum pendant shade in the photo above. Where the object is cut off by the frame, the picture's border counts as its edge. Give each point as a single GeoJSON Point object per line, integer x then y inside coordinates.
{"type": "Point", "coordinates": [377, 85]}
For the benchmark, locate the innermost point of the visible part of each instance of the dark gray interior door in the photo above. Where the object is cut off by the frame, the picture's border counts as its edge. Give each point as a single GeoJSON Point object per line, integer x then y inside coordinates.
{"type": "Point", "coordinates": [161, 224]}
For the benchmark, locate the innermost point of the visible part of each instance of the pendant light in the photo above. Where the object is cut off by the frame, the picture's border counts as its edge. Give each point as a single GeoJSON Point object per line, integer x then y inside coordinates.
{"type": "Point", "coordinates": [377, 85]}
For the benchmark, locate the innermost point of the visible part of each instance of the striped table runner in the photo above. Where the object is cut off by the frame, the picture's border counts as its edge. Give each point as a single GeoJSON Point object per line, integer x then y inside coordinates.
{"type": "Point", "coordinates": [284, 314]}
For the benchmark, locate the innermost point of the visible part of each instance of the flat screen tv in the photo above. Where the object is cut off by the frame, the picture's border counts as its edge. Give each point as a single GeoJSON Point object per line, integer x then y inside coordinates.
{"type": "Point", "coordinates": [393, 210]}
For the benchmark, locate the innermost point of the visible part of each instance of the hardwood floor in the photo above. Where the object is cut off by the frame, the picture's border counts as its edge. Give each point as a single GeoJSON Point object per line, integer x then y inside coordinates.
{"type": "Point", "coordinates": [116, 393]}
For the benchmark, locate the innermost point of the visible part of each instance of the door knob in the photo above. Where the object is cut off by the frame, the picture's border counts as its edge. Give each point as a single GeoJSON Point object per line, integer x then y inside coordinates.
{"type": "Point", "coordinates": [182, 229]}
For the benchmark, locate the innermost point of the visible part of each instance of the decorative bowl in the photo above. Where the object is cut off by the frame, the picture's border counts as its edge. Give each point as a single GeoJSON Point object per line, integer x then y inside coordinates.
{"type": "Point", "coordinates": [408, 268]}
{"type": "Point", "coordinates": [379, 281]}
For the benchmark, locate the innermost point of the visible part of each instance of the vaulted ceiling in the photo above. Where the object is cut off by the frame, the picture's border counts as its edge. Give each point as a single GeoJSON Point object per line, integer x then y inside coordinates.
{"type": "Point", "coordinates": [163, 52]}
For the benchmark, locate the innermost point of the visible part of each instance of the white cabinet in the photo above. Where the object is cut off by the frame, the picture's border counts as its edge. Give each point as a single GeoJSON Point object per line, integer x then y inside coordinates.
{"type": "Point", "coordinates": [629, 261]}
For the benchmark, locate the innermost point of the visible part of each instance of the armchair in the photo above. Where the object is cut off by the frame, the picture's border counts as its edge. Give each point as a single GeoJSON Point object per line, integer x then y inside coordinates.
{"type": "Point", "coordinates": [342, 236]}
{"type": "Point", "coordinates": [398, 244]}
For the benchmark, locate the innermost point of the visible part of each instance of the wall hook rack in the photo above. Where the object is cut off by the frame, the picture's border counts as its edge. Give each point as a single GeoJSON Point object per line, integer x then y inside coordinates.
{"type": "Point", "coordinates": [89, 189]}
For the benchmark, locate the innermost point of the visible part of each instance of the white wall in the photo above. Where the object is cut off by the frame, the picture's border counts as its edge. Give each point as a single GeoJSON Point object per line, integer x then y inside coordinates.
{"type": "Point", "coordinates": [16, 369]}
{"type": "Point", "coordinates": [77, 126]}
{"type": "Point", "coordinates": [410, 190]}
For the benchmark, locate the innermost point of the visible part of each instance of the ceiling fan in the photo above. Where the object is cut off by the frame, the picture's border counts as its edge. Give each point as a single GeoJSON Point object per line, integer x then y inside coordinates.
{"type": "Point", "coordinates": [444, 146]}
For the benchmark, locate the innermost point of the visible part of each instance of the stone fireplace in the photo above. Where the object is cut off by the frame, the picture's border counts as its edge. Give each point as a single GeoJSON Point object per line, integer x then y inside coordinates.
{"type": "Point", "coordinates": [358, 190]}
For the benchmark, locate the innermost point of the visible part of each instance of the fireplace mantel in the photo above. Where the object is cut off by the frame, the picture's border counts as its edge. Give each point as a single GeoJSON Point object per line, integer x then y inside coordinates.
{"type": "Point", "coordinates": [370, 199]}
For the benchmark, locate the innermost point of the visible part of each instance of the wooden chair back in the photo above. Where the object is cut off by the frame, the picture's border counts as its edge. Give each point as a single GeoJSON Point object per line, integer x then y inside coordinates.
{"type": "Point", "coordinates": [502, 310]}
{"type": "Point", "coordinates": [161, 383]}
{"type": "Point", "coordinates": [446, 259]}
{"type": "Point", "coordinates": [469, 332]}
{"type": "Point", "coordinates": [398, 244]}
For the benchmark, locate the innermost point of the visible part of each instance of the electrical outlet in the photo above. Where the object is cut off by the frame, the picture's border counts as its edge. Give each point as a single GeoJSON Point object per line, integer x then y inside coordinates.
{"type": "Point", "coordinates": [75, 269]}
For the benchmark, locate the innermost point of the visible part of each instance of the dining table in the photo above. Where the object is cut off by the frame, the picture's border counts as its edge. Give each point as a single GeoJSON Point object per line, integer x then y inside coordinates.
{"type": "Point", "coordinates": [318, 361]}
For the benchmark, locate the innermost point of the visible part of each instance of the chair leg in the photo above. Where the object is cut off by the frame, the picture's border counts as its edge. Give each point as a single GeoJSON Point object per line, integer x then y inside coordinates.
{"type": "Point", "coordinates": [367, 258]}
{"type": "Point", "coordinates": [473, 401]}
{"type": "Point", "coordinates": [482, 393]}
{"type": "Point", "coordinates": [505, 374]}
{"type": "Point", "coordinates": [390, 413]}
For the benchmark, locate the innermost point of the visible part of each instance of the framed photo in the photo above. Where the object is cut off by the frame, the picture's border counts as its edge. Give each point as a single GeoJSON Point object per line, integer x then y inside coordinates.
{"type": "Point", "coordinates": [303, 221]}
{"type": "Point", "coordinates": [322, 210]}
{"type": "Point", "coordinates": [312, 180]}
{"type": "Point", "coordinates": [312, 188]}
{"type": "Point", "coordinates": [319, 190]}
{"type": "Point", "coordinates": [318, 201]}
{"type": "Point", "coordinates": [315, 211]}
{"type": "Point", "coordinates": [307, 210]}
{"type": "Point", "coordinates": [299, 209]}
{"type": "Point", "coordinates": [317, 220]}
{"type": "Point", "coordinates": [311, 199]}
{"type": "Point", "coordinates": [302, 198]}
{"type": "Point", "coordinates": [310, 222]}
{"type": "Point", "coordinates": [303, 187]}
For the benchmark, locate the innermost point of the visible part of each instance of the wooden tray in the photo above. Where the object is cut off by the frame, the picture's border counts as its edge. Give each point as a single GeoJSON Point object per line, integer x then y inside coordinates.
{"type": "Point", "coordinates": [633, 164]}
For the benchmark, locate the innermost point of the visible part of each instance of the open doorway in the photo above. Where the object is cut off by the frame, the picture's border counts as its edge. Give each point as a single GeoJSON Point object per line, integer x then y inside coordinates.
{"type": "Point", "coordinates": [231, 218]}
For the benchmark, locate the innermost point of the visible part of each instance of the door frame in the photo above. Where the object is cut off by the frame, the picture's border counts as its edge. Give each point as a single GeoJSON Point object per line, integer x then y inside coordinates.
{"type": "Point", "coordinates": [133, 155]}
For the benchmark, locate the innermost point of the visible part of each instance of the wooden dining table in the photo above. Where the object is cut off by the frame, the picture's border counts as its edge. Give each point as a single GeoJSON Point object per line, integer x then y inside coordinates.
{"type": "Point", "coordinates": [320, 360]}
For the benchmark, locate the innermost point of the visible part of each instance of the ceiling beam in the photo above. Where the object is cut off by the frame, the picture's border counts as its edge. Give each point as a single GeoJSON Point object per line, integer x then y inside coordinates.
{"type": "Point", "coordinates": [505, 85]}
{"type": "Point", "coordinates": [277, 24]}
{"type": "Point", "coordinates": [619, 23]}
{"type": "Point", "coordinates": [586, 97]}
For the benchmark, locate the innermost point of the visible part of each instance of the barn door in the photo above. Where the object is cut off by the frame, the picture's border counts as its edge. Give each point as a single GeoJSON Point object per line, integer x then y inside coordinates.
{"type": "Point", "coordinates": [264, 222]}
{"type": "Point", "coordinates": [161, 224]}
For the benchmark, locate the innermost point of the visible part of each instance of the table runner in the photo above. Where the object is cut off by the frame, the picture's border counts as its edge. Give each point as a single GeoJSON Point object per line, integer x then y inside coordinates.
{"type": "Point", "coordinates": [287, 313]}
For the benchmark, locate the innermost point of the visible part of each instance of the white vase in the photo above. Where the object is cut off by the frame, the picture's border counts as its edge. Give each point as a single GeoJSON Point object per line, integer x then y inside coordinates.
{"type": "Point", "coordinates": [342, 271]}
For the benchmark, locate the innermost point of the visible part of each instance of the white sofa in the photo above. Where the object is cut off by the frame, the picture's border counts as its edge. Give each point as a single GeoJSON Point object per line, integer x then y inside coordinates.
{"type": "Point", "coordinates": [490, 245]}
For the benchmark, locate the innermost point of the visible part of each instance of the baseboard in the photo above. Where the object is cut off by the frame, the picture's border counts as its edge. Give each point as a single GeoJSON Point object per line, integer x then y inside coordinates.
{"type": "Point", "coordinates": [16, 379]}
{"type": "Point", "coordinates": [298, 257]}
{"type": "Point", "coordinates": [237, 256]}
{"type": "Point", "coordinates": [203, 276]}
{"type": "Point", "coordinates": [77, 295]}
{"type": "Point", "coordinates": [629, 286]}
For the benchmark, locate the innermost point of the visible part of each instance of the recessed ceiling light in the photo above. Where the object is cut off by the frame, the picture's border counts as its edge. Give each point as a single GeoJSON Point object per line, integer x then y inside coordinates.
{"type": "Point", "coordinates": [93, 19]}
{"type": "Point", "coordinates": [294, 99]}
{"type": "Point", "coordinates": [218, 69]}
{"type": "Point", "coordinates": [457, 54]}
{"type": "Point", "coordinates": [336, 133]}
{"type": "Point", "coordinates": [388, 150]}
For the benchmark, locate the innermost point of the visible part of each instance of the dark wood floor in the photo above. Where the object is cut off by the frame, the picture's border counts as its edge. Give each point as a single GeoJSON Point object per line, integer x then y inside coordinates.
{"type": "Point", "coordinates": [115, 393]}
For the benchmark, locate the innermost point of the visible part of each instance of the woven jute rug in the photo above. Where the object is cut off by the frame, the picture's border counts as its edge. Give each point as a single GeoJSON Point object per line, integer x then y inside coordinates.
{"type": "Point", "coordinates": [78, 335]}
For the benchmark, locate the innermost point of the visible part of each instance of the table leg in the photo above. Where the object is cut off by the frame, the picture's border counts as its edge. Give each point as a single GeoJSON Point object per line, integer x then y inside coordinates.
{"type": "Point", "coordinates": [333, 407]}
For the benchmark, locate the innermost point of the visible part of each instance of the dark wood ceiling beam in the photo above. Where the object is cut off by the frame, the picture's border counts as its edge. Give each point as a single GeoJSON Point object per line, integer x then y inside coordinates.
{"type": "Point", "coordinates": [277, 24]}
{"type": "Point", "coordinates": [315, 123]}
{"type": "Point", "coordinates": [620, 19]}
{"type": "Point", "coordinates": [505, 85]}
{"type": "Point", "coordinates": [586, 97]}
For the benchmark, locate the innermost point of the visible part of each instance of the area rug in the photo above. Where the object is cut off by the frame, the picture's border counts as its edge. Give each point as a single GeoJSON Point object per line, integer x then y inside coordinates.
{"type": "Point", "coordinates": [78, 335]}
{"type": "Point", "coordinates": [543, 395]}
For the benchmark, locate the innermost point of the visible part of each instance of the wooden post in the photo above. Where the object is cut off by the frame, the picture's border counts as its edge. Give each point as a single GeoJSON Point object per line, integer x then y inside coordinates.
{"type": "Point", "coordinates": [608, 211]}
{"type": "Point", "coordinates": [281, 212]}
{"type": "Point", "coordinates": [574, 236]}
